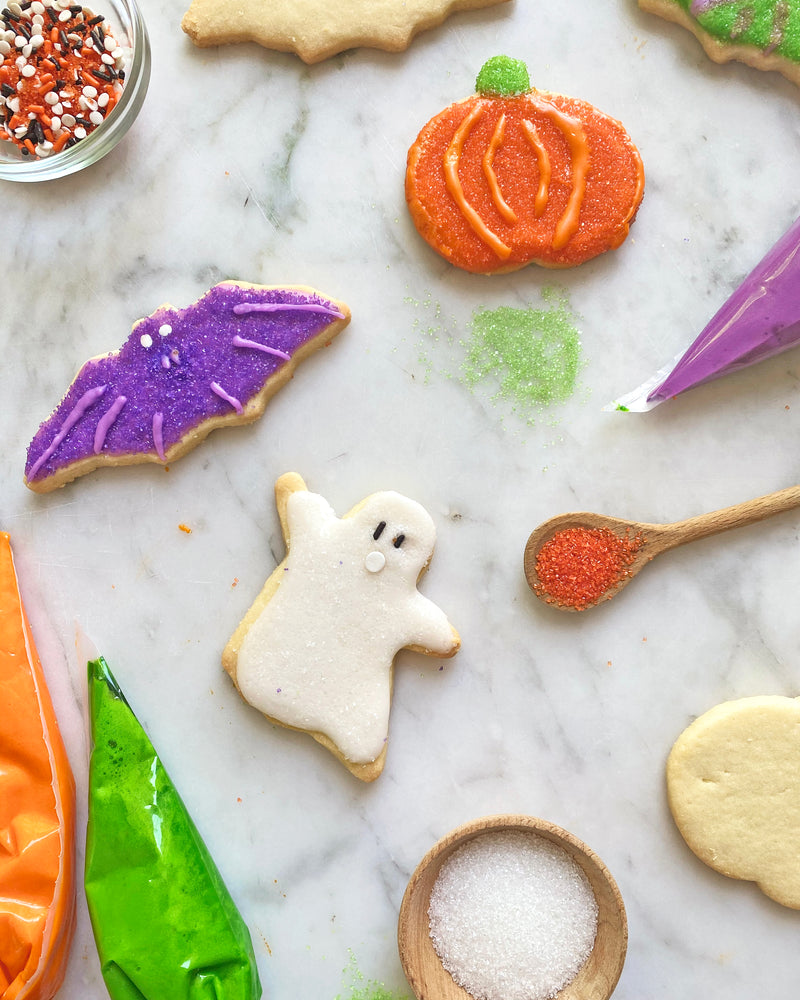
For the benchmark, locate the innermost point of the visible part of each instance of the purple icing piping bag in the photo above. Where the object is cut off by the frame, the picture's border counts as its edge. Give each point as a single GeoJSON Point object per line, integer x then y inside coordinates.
{"type": "Point", "coordinates": [761, 319]}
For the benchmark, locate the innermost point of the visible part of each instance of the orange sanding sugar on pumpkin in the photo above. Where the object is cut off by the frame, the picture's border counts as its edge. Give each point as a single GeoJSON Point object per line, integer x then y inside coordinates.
{"type": "Point", "coordinates": [61, 74]}
{"type": "Point", "coordinates": [513, 175]}
{"type": "Point", "coordinates": [578, 566]}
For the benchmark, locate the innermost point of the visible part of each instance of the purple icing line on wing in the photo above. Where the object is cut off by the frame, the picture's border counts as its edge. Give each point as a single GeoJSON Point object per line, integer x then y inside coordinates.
{"type": "Point", "coordinates": [240, 342]}
{"type": "Point", "coordinates": [105, 423]}
{"type": "Point", "coordinates": [87, 400]}
{"type": "Point", "coordinates": [243, 308]}
{"type": "Point", "coordinates": [215, 387]}
{"type": "Point", "coordinates": [201, 350]}
{"type": "Point", "coordinates": [158, 435]}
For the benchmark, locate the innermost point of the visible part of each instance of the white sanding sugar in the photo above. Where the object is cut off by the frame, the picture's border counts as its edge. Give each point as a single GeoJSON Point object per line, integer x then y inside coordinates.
{"type": "Point", "coordinates": [512, 916]}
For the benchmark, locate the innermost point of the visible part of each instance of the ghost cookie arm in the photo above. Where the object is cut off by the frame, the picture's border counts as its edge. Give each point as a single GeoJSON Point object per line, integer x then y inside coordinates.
{"type": "Point", "coordinates": [429, 630]}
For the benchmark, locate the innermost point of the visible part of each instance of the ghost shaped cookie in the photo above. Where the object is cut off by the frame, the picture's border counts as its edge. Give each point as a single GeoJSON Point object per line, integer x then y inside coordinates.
{"type": "Point", "coordinates": [733, 783]}
{"type": "Point", "coordinates": [315, 652]}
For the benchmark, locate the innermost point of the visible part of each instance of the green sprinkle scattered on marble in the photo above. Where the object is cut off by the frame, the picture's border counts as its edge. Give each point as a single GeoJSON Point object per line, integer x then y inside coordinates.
{"type": "Point", "coordinates": [533, 356]}
{"type": "Point", "coordinates": [365, 989]}
{"type": "Point", "coordinates": [623, 408]}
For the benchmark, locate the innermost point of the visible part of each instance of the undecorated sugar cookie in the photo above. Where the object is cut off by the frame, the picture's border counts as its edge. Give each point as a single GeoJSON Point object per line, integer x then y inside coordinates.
{"type": "Point", "coordinates": [762, 33]}
{"type": "Point", "coordinates": [317, 29]}
{"type": "Point", "coordinates": [315, 652]}
{"type": "Point", "coordinates": [180, 374]}
{"type": "Point", "coordinates": [733, 783]}
{"type": "Point", "coordinates": [513, 176]}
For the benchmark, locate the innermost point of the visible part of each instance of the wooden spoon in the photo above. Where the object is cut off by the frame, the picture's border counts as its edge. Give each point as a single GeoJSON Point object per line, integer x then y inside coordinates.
{"type": "Point", "coordinates": [423, 968]}
{"type": "Point", "coordinates": [653, 538]}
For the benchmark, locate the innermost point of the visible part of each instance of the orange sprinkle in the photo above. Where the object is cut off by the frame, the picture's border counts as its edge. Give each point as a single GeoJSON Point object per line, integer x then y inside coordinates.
{"type": "Point", "coordinates": [578, 566]}
{"type": "Point", "coordinates": [186, 528]}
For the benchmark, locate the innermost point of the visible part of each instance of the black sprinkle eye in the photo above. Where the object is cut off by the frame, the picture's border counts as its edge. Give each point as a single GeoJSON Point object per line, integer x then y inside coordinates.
{"type": "Point", "coordinates": [376, 534]}
{"type": "Point", "coordinates": [399, 541]}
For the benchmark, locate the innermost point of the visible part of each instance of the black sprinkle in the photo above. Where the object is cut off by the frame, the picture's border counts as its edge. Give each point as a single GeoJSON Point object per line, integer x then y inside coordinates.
{"type": "Point", "coordinates": [6, 90]}
{"type": "Point", "coordinates": [51, 14]}
{"type": "Point", "coordinates": [379, 530]}
{"type": "Point", "coordinates": [95, 20]}
{"type": "Point", "coordinates": [399, 541]}
{"type": "Point", "coordinates": [62, 37]}
{"type": "Point", "coordinates": [9, 16]}
{"type": "Point", "coordinates": [103, 75]}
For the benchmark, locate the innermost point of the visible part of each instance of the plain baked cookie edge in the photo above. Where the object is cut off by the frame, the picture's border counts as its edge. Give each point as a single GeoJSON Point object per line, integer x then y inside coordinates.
{"type": "Point", "coordinates": [208, 23]}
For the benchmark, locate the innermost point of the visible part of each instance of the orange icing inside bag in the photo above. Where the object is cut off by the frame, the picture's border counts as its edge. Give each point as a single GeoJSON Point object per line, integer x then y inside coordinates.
{"type": "Point", "coordinates": [37, 813]}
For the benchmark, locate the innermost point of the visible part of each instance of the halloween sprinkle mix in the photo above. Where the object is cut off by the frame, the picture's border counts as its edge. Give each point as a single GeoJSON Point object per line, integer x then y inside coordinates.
{"type": "Point", "coordinates": [61, 73]}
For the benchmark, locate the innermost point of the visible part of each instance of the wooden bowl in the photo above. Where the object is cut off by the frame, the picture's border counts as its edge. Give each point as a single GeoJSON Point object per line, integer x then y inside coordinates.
{"type": "Point", "coordinates": [423, 968]}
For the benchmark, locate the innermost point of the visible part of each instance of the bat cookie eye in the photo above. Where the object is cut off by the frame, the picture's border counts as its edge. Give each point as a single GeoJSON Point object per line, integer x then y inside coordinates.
{"type": "Point", "coordinates": [375, 561]}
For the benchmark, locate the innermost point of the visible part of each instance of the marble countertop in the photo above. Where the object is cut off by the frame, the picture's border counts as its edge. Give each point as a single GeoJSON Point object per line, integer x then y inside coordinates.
{"type": "Point", "coordinates": [247, 163]}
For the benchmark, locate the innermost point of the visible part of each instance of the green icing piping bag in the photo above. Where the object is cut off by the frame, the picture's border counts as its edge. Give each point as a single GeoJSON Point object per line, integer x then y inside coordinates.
{"type": "Point", "coordinates": [165, 926]}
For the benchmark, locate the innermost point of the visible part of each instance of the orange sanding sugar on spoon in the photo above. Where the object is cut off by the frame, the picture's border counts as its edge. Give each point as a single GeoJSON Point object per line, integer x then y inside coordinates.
{"type": "Point", "coordinates": [578, 566]}
{"type": "Point", "coordinates": [61, 73]}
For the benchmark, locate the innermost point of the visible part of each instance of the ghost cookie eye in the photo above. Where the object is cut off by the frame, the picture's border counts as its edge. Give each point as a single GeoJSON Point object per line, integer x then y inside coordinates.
{"type": "Point", "coordinates": [398, 541]}
{"type": "Point", "coordinates": [379, 530]}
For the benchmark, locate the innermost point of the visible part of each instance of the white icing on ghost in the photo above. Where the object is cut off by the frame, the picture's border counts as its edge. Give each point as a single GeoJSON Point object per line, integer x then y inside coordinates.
{"type": "Point", "coordinates": [319, 656]}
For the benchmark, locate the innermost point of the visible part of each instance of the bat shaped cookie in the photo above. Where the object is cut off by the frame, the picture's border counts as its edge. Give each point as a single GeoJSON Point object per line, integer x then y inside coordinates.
{"type": "Point", "coordinates": [315, 652]}
{"type": "Point", "coordinates": [180, 374]}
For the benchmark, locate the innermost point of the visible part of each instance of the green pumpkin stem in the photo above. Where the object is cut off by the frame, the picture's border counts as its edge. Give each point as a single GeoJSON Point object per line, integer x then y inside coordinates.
{"type": "Point", "coordinates": [502, 76]}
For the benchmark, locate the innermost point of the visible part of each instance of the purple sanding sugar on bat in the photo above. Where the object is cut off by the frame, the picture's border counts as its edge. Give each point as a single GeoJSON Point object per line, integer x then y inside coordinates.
{"type": "Point", "coordinates": [177, 369]}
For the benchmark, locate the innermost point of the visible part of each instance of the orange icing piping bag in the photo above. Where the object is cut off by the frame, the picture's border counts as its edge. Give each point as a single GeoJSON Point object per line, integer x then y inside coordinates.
{"type": "Point", "coordinates": [37, 813]}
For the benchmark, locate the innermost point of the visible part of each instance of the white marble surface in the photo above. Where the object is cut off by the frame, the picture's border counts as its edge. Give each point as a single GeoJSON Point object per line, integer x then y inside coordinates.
{"type": "Point", "coordinates": [247, 163]}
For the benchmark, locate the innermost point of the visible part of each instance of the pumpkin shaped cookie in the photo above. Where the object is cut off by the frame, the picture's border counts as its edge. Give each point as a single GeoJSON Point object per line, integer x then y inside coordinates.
{"type": "Point", "coordinates": [514, 175]}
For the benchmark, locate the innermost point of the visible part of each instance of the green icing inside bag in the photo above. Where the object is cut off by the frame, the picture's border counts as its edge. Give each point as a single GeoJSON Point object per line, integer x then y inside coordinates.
{"type": "Point", "coordinates": [165, 926]}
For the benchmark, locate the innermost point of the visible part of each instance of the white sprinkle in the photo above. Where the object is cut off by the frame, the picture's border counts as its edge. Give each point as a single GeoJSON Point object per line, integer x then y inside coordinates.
{"type": "Point", "coordinates": [107, 58]}
{"type": "Point", "coordinates": [13, 104]}
{"type": "Point", "coordinates": [20, 41]}
{"type": "Point", "coordinates": [146, 340]}
{"type": "Point", "coordinates": [96, 118]}
{"type": "Point", "coordinates": [89, 91]}
{"type": "Point", "coordinates": [28, 70]}
{"type": "Point", "coordinates": [27, 50]}
{"type": "Point", "coordinates": [80, 132]}
{"type": "Point", "coordinates": [109, 43]}
{"type": "Point", "coordinates": [37, 8]}
{"type": "Point", "coordinates": [55, 124]}
{"type": "Point", "coordinates": [58, 108]}
{"type": "Point", "coordinates": [512, 916]}
{"type": "Point", "coordinates": [165, 330]}
{"type": "Point", "coordinates": [37, 41]}
{"type": "Point", "coordinates": [14, 7]}
{"type": "Point", "coordinates": [64, 16]}
{"type": "Point", "coordinates": [68, 121]}
{"type": "Point", "coordinates": [374, 561]}
{"type": "Point", "coordinates": [102, 100]}
{"type": "Point", "coordinates": [5, 48]}
{"type": "Point", "coordinates": [36, 21]}
{"type": "Point", "coordinates": [51, 98]}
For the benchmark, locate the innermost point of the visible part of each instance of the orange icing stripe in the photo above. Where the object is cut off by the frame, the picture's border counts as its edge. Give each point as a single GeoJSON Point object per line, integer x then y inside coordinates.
{"type": "Point", "coordinates": [501, 204]}
{"type": "Point", "coordinates": [452, 157]}
{"type": "Point", "coordinates": [545, 171]}
{"type": "Point", "coordinates": [579, 148]}
{"type": "Point", "coordinates": [37, 813]}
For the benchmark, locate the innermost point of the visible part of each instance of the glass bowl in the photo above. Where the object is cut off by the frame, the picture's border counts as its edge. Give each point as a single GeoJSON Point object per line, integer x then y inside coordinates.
{"type": "Point", "coordinates": [128, 27]}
